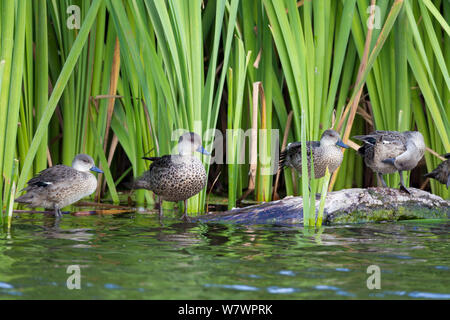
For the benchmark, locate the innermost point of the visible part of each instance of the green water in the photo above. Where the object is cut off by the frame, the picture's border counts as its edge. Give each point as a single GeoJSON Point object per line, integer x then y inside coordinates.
{"type": "Point", "coordinates": [131, 256]}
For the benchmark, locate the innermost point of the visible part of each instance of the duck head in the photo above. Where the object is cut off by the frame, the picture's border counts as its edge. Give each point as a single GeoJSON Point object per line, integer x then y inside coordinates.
{"type": "Point", "coordinates": [331, 137]}
{"type": "Point", "coordinates": [84, 163]}
{"type": "Point", "coordinates": [189, 143]}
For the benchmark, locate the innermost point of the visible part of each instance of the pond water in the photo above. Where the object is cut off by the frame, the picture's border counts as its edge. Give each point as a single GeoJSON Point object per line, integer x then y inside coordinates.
{"type": "Point", "coordinates": [132, 256]}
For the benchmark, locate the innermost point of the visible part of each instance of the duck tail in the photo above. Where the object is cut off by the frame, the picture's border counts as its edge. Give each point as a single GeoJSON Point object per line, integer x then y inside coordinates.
{"type": "Point", "coordinates": [151, 158]}
{"type": "Point", "coordinates": [129, 185]}
{"type": "Point", "coordinates": [141, 182]}
{"type": "Point", "coordinates": [282, 160]}
{"type": "Point", "coordinates": [26, 198]}
{"type": "Point", "coordinates": [367, 140]}
{"type": "Point", "coordinates": [431, 174]}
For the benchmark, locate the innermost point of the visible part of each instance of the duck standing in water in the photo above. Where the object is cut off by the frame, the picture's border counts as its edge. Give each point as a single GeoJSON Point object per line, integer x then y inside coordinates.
{"type": "Point", "coordinates": [59, 186]}
{"type": "Point", "coordinates": [391, 151]}
{"type": "Point", "coordinates": [326, 153]}
{"type": "Point", "coordinates": [442, 172]}
{"type": "Point", "coordinates": [176, 177]}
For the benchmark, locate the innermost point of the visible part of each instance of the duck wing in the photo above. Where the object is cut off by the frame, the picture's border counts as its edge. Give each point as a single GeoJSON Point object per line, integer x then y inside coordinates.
{"type": "Point", "coordinates": [382, 136]}
{"type": "Point", "coordinates": [387, 143]}
{"type": "Point", "coordinates": [160, 162]}
{"type": "Point", "coordinates": [293, 149]}
{"type": "Point", "coordinates": [157, 168]}
{"type": "Point", "coordinates": [51, 177]}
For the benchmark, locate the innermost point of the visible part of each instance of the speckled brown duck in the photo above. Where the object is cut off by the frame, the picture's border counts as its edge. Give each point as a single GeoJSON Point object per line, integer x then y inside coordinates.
{"type": "Point", "coordinates": [391, 151]}
{"type": "Point", "coordinates": [60, 185]}
{"type": "Point", "coordinates": [176, 177]}
{"type": "Point", "coordinates": [326, 153]}
{"type": "Point", "coordinates": [442, 172]}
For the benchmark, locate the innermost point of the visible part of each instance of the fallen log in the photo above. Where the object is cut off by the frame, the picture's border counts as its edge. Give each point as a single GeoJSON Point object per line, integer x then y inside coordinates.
{"type": "Point", "coordinates": [342, 207]}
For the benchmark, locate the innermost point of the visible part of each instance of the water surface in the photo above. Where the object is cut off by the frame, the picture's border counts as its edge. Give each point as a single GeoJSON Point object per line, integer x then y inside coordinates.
{"type": "Point", "coordinates": [131, 256]}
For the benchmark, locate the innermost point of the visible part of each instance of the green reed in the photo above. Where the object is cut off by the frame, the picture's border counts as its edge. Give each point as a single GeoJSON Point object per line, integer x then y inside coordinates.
{"type": "Point", "coordinates": [138, 71]}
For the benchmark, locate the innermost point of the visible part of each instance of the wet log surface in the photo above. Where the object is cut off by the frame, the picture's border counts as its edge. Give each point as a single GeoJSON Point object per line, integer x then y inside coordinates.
{"type": "Point", "coordinates": [344, 206]}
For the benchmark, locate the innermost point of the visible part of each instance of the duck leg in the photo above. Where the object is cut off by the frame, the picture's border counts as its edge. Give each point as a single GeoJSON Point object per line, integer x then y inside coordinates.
{"type": "Point", "coordinates": [380, 175]}
{"type": "Point", "coordinates": [185, 216]}
{"type": "Point", "coordinates": [160, 208]}
{"type": "Point", "coordinates": [58, 213]}
{"type": "Point", "coordinates": [402, 183]}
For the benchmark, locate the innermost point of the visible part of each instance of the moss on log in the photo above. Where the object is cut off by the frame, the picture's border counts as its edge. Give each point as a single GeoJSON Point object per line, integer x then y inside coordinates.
{"type": "Point", "coordinates": [344, 206]}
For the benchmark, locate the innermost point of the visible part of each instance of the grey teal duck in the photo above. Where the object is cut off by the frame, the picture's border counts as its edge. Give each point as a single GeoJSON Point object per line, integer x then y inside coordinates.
{"type": "Point", "coordinates": [442, 172]}
{"type": "Point", "coordinates": [176, 177]}
{"type": "Point", "coordinates": [391, 151]}
{"type": "Point", "coordinates": [60, 185]}
{"type": "Point", "coordinates": [326, 153]}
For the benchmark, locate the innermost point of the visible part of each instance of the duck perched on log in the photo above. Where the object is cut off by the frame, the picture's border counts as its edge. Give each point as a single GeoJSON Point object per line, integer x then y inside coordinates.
{"type": "Point", "coordinates": [326, 153]}
{"type": "Point", "coordinates": [391, 151]}
{"type": "Point", "coordinates": [176, 177]}
{"type": "Point", "coordinates": [59, 186]}
{"type": "Point", "coordinates": [442, 172]}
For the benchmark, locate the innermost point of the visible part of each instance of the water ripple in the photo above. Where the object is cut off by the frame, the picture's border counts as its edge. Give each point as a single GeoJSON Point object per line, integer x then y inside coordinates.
{"type": "Point", "coordinates": [275, 289]}
{"type": "Point", "coordinates": [239, 287]}
{"type": "Point", "coordinates": [4, 285]}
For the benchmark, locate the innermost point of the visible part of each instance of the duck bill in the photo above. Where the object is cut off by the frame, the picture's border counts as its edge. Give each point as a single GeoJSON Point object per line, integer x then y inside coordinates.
{"type": "Point", "coordinates": [95, 169]}
{"type": "Point", "coordinates": [341, 144]}
{"type": "Point", "coordinates": [202, 150]}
